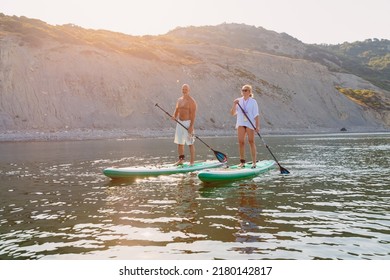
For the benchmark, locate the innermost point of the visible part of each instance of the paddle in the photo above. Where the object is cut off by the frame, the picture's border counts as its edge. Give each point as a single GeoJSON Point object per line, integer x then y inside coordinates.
{"type": "Point", "coordinates": [220, 156]}
{"type": "Point", "coordinates": [282, 169]}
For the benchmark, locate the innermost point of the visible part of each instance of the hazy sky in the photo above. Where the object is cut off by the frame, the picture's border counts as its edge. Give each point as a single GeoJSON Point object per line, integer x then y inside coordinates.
{"type": "Point", "coordinates": [311, 21]}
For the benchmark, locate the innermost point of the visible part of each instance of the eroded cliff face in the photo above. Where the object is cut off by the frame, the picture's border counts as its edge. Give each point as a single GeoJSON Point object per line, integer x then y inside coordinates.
{"type": "Point", "coordinates": [58, 85]}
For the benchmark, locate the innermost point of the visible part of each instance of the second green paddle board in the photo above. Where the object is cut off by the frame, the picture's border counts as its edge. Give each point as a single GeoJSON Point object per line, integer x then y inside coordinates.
{"type": "Point", "coordinates": [234, 173]}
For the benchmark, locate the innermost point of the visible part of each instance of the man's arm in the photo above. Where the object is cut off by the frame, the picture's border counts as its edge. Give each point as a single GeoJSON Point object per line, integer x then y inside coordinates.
{"type": "Point", "coordinates": [176, 112]}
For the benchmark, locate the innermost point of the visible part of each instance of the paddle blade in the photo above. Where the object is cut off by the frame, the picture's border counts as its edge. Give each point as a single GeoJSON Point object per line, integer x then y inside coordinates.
{"type": "Point", "coordinates": [220, 156]}
{"type": "Point", "coordinates": [284, 170]}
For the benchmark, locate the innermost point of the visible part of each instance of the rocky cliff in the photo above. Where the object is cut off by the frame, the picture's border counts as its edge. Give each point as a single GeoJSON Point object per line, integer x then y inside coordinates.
{"type": "Point", "coordinates": [66, 77]}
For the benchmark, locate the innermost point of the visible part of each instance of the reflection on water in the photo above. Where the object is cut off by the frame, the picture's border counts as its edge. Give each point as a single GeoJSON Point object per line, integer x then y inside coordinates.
{"type": "Point", "coordinates": [56, 204]}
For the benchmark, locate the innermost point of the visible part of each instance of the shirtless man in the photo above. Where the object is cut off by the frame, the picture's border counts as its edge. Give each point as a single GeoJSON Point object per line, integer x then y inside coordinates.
{"type": "Point", "coordinates": [185, 113]}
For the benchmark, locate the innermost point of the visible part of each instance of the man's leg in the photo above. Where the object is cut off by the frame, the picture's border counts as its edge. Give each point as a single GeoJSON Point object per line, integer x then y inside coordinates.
{"type": "Point", "coordinates": [192, 154]}
{"type": "Point", "coordinates": [180, 150]}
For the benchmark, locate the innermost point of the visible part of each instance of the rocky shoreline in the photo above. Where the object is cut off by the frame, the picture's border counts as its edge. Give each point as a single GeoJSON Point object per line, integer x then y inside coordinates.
{"type": "Point", "coordinates": [95, 134]}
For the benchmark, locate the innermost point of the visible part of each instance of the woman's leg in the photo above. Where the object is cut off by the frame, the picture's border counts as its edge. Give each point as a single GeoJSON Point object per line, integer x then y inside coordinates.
{"type": "Point", "coordinates": [241, 132]}
{"type": "Point", "coordinates": [252, 145]}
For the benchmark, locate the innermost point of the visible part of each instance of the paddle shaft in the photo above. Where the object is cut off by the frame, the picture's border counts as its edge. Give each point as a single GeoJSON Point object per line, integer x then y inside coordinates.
{"type": "Point", "coordinates": [282, 169]}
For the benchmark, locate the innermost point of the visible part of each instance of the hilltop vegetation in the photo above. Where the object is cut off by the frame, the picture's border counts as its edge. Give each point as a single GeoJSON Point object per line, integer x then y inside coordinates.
{"type": "Point", "coordinates": [367, 98]}
{"type": "Point", "coordinates": [35, 33]}
{"type": "Point", "coordinates": [369, 59]}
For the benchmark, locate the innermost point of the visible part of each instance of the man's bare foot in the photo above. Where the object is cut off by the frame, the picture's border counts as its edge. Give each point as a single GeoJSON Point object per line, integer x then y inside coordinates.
{"type": "Point", "coordinates": [180, 161]}
{"type": "Point", "coordinates": [242, 163]}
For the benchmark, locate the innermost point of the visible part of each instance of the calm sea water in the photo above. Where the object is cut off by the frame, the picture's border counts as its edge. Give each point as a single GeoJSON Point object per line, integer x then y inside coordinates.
{"type": "Point", "coordinates": [55, 202]}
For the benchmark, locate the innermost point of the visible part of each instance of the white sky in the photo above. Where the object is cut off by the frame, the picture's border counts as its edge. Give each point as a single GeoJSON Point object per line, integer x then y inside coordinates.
{"type": "Point", "coordinates": [311, 21]}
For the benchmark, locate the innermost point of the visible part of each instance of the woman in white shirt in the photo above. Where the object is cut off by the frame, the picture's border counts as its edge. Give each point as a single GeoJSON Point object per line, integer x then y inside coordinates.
{"type": "Point", "coordinates": [243, 125]}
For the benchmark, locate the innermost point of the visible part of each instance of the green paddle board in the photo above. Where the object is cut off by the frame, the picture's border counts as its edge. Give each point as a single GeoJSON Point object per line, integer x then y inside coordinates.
{"type": "Point", "coordinates": [156, 170]}
{"type": "Point", "coordinates": [234, 173]}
